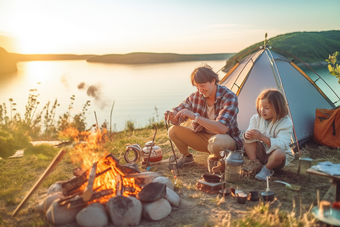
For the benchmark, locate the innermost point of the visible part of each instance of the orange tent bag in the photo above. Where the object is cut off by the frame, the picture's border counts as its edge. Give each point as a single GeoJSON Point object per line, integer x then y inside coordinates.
{"type": "Point", "coordinates": [327, 127]}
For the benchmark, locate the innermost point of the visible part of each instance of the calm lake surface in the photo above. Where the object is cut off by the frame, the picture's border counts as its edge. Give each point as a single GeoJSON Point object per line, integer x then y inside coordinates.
{"type": "Point", "coordinates": [136, 89]}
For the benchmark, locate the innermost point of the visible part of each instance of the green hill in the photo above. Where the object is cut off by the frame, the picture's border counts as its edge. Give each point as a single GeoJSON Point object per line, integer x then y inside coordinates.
{"type": "Point", "coordinates": [144, 58]}
{"type": "Point", "coordinates": [310, 47]}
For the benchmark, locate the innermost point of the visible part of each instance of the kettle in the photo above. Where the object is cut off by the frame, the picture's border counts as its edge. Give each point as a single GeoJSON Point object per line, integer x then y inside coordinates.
{"type": "Point", "coordinates": [233, 165]}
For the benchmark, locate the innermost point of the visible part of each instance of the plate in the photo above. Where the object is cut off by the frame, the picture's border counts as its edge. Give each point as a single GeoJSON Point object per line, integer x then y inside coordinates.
{"type": "Point", "coordinates": [331, 219]}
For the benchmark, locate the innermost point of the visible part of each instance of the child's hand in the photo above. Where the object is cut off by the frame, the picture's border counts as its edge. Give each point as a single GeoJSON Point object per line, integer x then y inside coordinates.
{"type": "Point", "coordinates": [248, 135]}
{"type": "Point", "coordinates": [255, 134]}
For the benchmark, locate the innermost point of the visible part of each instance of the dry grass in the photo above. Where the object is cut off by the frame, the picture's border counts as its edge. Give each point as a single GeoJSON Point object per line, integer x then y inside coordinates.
{"type": "Point", "coordinates": [197, 208]}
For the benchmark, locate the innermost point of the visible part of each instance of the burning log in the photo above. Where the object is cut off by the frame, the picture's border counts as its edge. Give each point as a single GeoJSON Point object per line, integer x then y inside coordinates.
{"type": "Point", "coordinates": [71, 186]}
{"type": "Point", "coordinates": [78, 202]}
{"type": "Point", "coordinates": [89, 188]}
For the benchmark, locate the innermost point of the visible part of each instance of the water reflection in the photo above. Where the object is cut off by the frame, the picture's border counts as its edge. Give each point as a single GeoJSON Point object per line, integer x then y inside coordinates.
{"type": "Point", "coordinates": [136, 89]}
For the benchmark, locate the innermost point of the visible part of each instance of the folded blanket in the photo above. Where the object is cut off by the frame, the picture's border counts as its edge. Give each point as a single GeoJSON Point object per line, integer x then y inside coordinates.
{"type": "Point", "coordinates": [328, 167]}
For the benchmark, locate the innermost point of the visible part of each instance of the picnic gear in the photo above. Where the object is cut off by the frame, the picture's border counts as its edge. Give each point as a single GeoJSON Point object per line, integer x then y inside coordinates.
{"type": "Point", "coordinates": [212, 178]}
{"type": "Point", "coordinates": [252, 166]}
{"type": "Point", "coordinates": [325, 208]}
{"type": "Point", "coordinates": [289, 186]}
{"type": "Point", "coordinates": [156, 155]}
{"type": "Point", "coordinates": [208, 187]}
{"type": "Point", "coordinates": [260, 68]}
{"type": "Point", "coordinates": [173, 165]}
{"type": "Point", "coordinates": [253, 196]}
{"type": "Point", "coordinates": [146, 162]}
{"type": "Point", "coordinates": [220, 168]}
{"type": "Point", "coordinates": [233, 166]}
{"type": "Point", "coordinates": [212, 162]}
{"type": "Point", "coordinates": [327, 127]}
{"type": "Point", "coordinates": [241, 198]}
{"type": "Point", "coordinates": [267, 195]}
{"type": "Point", "coordinates": [264, 173]}
{"type": "Point", "coordinates": [332, 219]}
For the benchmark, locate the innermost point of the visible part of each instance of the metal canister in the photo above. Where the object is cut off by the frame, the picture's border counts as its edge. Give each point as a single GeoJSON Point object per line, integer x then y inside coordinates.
{"type": "Point", "coordinates": [233, 166]}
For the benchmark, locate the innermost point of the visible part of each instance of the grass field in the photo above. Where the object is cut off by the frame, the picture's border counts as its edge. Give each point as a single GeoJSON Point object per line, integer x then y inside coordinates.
{"type": "Point", "coordinates": [197, 208]}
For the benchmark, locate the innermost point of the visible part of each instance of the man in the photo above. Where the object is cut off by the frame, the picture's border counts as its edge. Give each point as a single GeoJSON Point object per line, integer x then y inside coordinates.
{"type": "Point", "coordinates": [212, 110]}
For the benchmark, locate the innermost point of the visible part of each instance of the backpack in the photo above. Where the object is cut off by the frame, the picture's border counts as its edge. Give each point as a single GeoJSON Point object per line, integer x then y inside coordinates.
{"type": "Point", "coordinates": [327, 127]}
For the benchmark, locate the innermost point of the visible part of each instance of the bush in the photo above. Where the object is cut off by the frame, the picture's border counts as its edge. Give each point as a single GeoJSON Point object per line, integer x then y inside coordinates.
{"type": "Point", "coordinates": [12, 141]}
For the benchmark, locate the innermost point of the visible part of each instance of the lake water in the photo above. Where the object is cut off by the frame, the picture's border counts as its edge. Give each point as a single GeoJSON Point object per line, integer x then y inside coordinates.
{"type": "Point", "coordinates": [136, 89]}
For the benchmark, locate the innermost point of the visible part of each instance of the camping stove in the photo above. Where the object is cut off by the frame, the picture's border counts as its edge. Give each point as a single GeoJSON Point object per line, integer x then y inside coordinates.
{"type": "Point", "coordinates": [208, 187]}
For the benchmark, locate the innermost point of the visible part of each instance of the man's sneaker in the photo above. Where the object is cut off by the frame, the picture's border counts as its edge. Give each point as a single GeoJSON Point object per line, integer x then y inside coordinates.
{"type": "Point", "coordinates": [264, 173]}
{"type": "Point", "coordinates": [186, 160]}
{"type": "Point", "coordinates": [212, 162]}
{"type": "Point", "coordinates": [252, 167]}
{"type": "Point", "coordinates": [220, 168]}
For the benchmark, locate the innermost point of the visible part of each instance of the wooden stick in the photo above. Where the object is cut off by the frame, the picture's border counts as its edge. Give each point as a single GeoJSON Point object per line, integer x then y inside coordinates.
{"type": "Point", "coordinates": [49, 169]}
{"type": "Point", "coordinates": [89, 187]}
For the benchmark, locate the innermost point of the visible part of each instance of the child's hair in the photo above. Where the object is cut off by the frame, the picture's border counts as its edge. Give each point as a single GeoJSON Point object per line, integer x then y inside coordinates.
{"type": "Point", "coordinates": [276, 100]}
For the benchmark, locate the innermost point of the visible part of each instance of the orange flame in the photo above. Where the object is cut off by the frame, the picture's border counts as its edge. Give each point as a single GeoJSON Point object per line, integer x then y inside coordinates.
{"type": "Point", "coordinates": [92, 150]}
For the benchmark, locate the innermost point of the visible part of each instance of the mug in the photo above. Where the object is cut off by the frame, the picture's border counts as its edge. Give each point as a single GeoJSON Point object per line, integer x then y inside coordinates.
{"type": "Point", "coordinates": [324, 208]}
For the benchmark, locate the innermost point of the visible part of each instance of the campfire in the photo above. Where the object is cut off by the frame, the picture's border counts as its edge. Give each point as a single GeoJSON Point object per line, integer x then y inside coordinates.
{"type": "Point", "coordinates": [104, 190]}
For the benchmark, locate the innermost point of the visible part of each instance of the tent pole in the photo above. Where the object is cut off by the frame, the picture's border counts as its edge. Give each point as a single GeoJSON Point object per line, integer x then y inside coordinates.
{"type": "Point", "coordinates": [284, 94]}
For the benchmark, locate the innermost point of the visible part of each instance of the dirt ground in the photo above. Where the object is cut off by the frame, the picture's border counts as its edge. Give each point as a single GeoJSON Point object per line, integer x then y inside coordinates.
{"type": "Point", "coordinates": [198, 208]}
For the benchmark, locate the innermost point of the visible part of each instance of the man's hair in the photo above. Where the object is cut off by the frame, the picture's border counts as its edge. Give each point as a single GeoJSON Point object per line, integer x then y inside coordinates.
{"type": "Point", "coordinates": [203, 74]}
{"type": "Point", "coordinates": [276, 100]}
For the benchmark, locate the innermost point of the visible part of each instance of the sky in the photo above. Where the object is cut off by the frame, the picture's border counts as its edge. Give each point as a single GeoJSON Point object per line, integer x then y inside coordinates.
{"type": "Point", "coordinates": [162, 26]}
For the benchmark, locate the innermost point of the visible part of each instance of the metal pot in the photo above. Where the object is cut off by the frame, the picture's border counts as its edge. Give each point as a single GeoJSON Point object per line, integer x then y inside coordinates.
{"type": "Point", "coordinates": [267, 196]}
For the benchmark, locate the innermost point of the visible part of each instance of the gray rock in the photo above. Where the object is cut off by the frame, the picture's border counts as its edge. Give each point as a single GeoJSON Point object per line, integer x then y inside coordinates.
{"type": "Point", "coordinates": [94, 215]}
{"type": "Point", "coordinates": [55, 189]}
{"type": "Point", "coordinates": [124, 211]}
{"type": "Point", "coordinates": [60, 215]}
{"type": "Point", "coordinates": [152, 192]}
{"type": "Point", "coordinates": [172, 197]}
{"type": "Point", "coordinates": [156, 210]}
{"type": "Point", "coordinates": [165, 181]}
{"type": "Point", "coordinates": [46, 203]}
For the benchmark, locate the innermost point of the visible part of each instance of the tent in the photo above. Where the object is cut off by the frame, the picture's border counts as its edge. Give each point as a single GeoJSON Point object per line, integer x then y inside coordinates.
{"type": "Point", "coordinates": [265, 69]}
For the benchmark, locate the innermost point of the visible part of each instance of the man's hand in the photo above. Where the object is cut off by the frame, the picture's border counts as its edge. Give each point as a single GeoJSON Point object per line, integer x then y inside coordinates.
{"type": "Point", "coordinates": [182, 114]}
{"type": "Point", "coordinates": [170, 116]}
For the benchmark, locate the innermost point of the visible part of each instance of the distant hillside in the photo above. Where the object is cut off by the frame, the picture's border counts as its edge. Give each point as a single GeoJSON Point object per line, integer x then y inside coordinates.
{"type": "Point", "coordinates": [7, 63]}
{"type": "Point", "coordinates": [310, 47]}
{"type": "Point", "coordinates": [49, 57]}
{"type": "Point", "coordinates": [142, 58]}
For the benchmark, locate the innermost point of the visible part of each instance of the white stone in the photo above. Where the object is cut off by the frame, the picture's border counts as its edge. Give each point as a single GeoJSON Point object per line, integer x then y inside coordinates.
{"type": "Point", "coordinates": [157, 210]}
{"type": "Point", "coordinates": [60, 215]}
{"type": "Point", "coordinates": [124, 211]}
{"type": "Point", "coordinates": [46, 203]}
{"type": "Point", "coordinates": [165, 181]}
{"type": "Point", "coordinates": [55, 189]}
{"type": "Point", "coordinates": [93, 215]}
{"type": "Point", "coordinates": [172, 197]}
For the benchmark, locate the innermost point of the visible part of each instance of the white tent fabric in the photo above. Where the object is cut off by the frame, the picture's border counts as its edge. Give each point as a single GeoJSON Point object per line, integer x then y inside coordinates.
{"type": "Point", "coordinates": [266, 69]}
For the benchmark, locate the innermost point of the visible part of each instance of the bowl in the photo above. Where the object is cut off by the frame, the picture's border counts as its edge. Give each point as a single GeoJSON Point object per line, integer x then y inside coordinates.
{"type": "Point", "coordinates": [267, 196]}
{"type": "Point", "coordinates": [254, 196]}
{"type": "Point", "coordinates": [241, 199]}
{"type": "Point", "coordinates": [211, 178]}
{"type": "Point", "coordinates": [225, 191]}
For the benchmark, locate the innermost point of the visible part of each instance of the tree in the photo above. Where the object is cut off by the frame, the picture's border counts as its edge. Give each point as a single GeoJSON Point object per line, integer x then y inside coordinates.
{"type": "Point", "coordinates": [334, 68]}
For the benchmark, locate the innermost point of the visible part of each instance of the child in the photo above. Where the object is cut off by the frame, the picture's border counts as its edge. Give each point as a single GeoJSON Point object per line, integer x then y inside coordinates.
{"type": "Point", "coordinates": [267, 138]}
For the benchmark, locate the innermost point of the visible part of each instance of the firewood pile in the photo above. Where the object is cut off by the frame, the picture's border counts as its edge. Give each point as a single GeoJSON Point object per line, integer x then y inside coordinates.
{"type": "Point", "coordinates": [109, 192]}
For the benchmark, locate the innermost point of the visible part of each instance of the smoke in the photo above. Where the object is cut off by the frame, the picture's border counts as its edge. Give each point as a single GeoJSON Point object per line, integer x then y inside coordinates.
{"type": "Point", "coordinates": [94, 91]}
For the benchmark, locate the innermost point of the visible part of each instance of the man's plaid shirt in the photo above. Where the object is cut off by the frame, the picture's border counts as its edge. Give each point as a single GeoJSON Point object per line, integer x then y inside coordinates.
{"type": "Point", "coordinates": [226, 109]}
